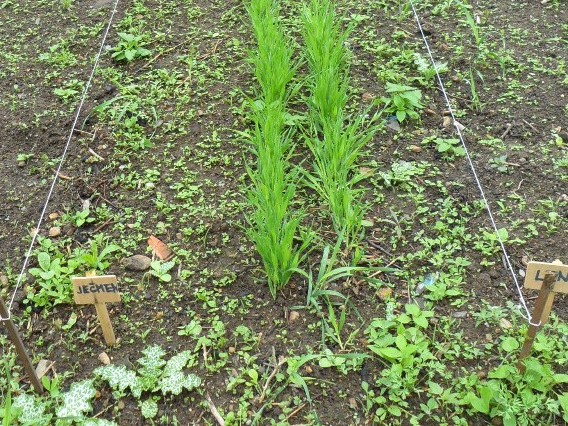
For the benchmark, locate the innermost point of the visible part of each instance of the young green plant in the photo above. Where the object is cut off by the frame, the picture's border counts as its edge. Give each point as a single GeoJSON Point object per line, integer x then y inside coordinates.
{"type": "Point", "coordinates": [272, 223]}
{"type": "Point", "coordinates": [335, 145]}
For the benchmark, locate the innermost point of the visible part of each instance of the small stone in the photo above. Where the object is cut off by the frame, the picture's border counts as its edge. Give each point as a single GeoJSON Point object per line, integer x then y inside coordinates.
{"type": "Point", "coordinates": [489, 337]}
{"type": "Point", "coordinates": [109, 89]}
{"type": "Point", "coordinates": [494, 274]}
{"type": "Point", "coordinates": [367, 97]}
{"type": "Point", "coordinates": [293, 316]}
{"type": "Point", "coordinates": [3, 280]}
{"type": "Point", "coordinates": [138, 262]}
{"type": "Point", "coordinates": [54, 231]}
{"type": "Point", "coordinates": [447, 122]}
{"type": "Point", "coordinates": [498, 421]}
{"type": "Point", "coordinates": [104, 358]}
{"type": "Point", "coordinates": [232, 349]}
{"type": "Point", "coordinates": [393, 124]}
{"type": "Point", "coordinates": [384, 293]}
{"type": "Point", "coordinates": [415, 148]}
{"type": "Point", "coordinates": [505, 324]}
{"type": "Point", "coordinates": [484, 280]}
{"type": "Point", "coordinates": [308, 369]}
{"type": "Point", "coordinates": [53, 216]}
{"type": "Point", "coordinates": [525, 260]}
{"type": "Point", "coordinates": [430, 111]}
{"type": "Point", "coordinates": [120, 405]}
{"type": "Point", "coordinates": [459, 314]}
{"type": "Point", "coordinates": [353, 403]}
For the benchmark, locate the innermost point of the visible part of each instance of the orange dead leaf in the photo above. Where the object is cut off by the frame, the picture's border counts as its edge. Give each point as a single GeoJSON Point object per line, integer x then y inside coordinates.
{"type": "Point", "coordinates": [160, 248]}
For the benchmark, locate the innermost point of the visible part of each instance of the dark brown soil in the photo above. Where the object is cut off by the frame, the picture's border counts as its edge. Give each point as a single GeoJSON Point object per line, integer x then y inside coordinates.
{"type": "Point", "coordinates": [36, 122]}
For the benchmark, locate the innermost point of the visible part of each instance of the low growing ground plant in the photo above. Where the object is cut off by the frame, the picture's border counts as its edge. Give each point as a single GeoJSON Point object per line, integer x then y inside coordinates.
{"type": "Point", "coordinates": [153, 376]}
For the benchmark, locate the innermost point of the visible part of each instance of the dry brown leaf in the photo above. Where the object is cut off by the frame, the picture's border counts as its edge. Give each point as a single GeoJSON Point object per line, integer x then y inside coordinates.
{"type": "Point", "coordinates": [160, 248]}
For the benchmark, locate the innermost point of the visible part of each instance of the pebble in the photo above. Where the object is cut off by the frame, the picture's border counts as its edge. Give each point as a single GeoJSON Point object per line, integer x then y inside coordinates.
{"type": "Point", "coordinates": [494, 274]}
{"type": "Point", "coordinates": [505, 324]}
{"type": "Point", "coordinates": [367, 97]}
{"type": "Point", "coordinates": [384, 293]}
{"type": "Point", "coordinates": [459, 314]}
{"type": "Point", "coordinates": [54, 231]}
{"type": "Point", "coordinates": [484, 279]}
{"type": "Point", "coordinates": [415, 148]}
{"type": "Point", "coordinates": [293, 316]}
{"type": "Point", "coordinates": [53, 216]}
{"type": "Point", "coordinates": [138, 262]}
{"type": "Point", "coordinates": [4, 280]}
{"type": "Point", "coordinates": [104, 358]}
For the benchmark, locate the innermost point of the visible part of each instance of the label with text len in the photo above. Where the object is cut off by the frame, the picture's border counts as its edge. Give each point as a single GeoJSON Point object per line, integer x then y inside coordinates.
{"type": "Point", "coordinates": [536, 272]}
{"type": "Point", "coordinates": [103, 289]}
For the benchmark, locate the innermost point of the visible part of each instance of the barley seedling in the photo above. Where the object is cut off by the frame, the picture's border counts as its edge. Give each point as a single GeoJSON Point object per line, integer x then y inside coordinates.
{"type": "Point", "coordinates": [335, 145]}
{"type": "Point", "coordinates": [272, 224]}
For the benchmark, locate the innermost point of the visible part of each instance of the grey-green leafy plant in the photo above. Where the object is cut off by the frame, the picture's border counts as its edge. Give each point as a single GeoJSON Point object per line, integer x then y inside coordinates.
{"type": "Point", "coordinates": [153, 376]}
{"type": "Point", "coordinates": [59, 408]}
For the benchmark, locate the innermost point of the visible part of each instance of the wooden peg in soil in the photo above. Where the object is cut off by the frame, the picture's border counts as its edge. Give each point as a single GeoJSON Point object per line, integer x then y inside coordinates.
{"type": "Point", "coordinates": [98, 291]}
{"type": "Point", "coordinates": [549, 279]}
{"type": "Point", "coordinates": [14, 336]}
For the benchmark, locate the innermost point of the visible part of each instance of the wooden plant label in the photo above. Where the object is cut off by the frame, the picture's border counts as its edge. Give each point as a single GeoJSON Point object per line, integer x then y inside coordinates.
{"type": "Point", "coordinates": [549, 279]}
{"type": "Point", "coordinates": [537, 270]}
{"type": "Point", "coordinates": [98, 291]}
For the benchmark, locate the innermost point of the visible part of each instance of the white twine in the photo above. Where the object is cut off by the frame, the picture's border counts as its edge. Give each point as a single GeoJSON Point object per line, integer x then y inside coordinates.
{"type": "Point", "coordinates": [528, 315]}
{"type": "Point", "coordinates": [61, 161]}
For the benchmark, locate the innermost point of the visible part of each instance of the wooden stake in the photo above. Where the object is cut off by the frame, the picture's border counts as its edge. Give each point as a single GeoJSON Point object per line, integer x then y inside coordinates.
{"type": "Point", "coordinates": [20, 348]}
{"type": "Point", "coordinates": [98, 290]}
{"type": "Point", "coordinates": [106, 325]}
{"type": "Point", "coordinates": [540, 316]}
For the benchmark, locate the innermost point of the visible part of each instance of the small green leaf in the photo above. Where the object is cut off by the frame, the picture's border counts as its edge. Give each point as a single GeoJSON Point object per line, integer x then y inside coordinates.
{"type": "Point", "coordinates": [44, 261]}
{"type": "Point", "coordinates": [149, 409]}
{"type": "Point", "coordinates": [389, 353]}
{"type": "Point", "coordinates": [510, 344]}
{"type": "Point", "coordinates": [560, 378]}
{"type": "Point", "coordinates": [563, 400]}
{"type": "Point", "coordinates": [435, 388]}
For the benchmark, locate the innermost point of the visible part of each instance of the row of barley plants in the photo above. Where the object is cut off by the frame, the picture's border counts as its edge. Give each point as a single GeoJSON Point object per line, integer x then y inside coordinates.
{"type": "Point", "coordinates": [335, 139]}
{"type": "Point", "coordinates": [272, 222]}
